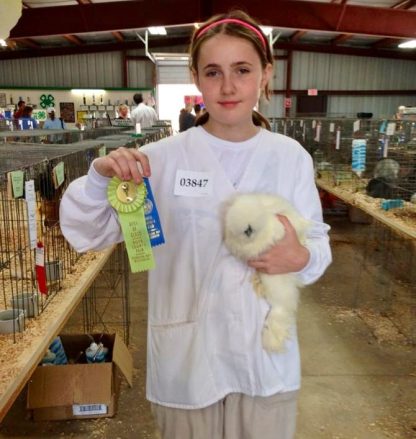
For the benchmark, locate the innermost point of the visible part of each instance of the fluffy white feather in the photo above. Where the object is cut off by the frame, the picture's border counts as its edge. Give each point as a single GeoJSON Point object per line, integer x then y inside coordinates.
{"type": "Point", "coordinates": [251, 228]}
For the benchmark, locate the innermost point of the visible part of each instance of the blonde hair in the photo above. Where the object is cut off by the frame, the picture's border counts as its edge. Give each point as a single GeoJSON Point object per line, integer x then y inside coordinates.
{"type": "Point", "coordinates": [239, 30]}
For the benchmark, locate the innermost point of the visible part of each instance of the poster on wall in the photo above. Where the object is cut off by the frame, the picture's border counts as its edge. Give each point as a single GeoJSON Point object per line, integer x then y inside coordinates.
{"type": "Point", "coordinates": [67, 110]}
{"type": "Point", "coordinates": [194, 100]}
{"type": "Point", "coordinates": [81, 116]}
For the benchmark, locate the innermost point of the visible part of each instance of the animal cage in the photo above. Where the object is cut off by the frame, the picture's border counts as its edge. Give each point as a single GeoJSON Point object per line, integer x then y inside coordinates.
{"type": "Point", "coordinates": [370, 164]}
{"type": "Point", "coordinates": [376, 157]}
{"type": "Point", "coordinates": [57, 136]}
{"type": "Point", "coordinates": [23, 296]}
{"type": "Point", "coordinates": [29, 226]}
{"type": "Point", "coordinates": [105, 308]}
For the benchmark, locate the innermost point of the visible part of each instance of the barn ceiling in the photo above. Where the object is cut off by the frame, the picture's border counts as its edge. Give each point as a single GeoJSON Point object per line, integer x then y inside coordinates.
{"type": "Point", "coordinates": [59, 27]}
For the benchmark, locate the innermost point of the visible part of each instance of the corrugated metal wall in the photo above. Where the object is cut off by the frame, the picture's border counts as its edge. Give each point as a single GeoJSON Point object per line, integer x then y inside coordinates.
{"type": "Point", "coordinates": [141, 74]}
{"type": "Point", "coordinates": [344, 72]}
{"type": "Point", "coordinates": [98, 70]}
{"type": "Point", "coordinates": [380, 106]}
{"type": "Point", "coordinates": [309, 70]}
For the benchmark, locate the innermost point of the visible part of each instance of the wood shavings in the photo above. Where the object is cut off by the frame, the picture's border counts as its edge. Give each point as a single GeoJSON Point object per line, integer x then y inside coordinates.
{"type": "Point", "coordinates": [14, 356]}
{"type": "Point", "coordinates": [382, 327]}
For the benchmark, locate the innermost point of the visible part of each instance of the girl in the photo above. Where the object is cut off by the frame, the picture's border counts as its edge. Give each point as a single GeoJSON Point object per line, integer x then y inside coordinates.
{"type": "Point", "coordinates": [208, 376]}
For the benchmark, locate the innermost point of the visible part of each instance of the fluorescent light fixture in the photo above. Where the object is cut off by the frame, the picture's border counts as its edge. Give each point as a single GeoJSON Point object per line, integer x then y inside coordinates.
{"type": "Point", "coordinates": [3, 43]}
{"type": "Point", "coordinates": [157, 30]}
{"type": "Point", "coordinates": [408, 45]}
{"type": "Point", "coordinates": [87, 91]}
{"type": "Point", "coordinates": [267, 30]}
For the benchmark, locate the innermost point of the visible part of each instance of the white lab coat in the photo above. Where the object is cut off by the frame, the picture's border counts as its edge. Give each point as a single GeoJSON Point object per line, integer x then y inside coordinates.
{"type": "Point", "coordinates": [205, 321]}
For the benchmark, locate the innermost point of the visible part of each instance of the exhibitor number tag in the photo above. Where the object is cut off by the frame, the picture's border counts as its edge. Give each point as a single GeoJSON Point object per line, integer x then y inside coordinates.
{"type": "Point", "coordinates": [193, 183]}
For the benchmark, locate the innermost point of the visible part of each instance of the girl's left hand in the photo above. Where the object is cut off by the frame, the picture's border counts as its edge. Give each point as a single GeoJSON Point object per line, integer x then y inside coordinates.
{"type": "Point", "coordinates": [287, 256]}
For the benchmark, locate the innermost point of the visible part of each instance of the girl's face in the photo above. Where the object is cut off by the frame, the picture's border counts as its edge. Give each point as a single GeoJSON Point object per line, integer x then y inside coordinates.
{"type": "Point", "coordinates": [230, 77]}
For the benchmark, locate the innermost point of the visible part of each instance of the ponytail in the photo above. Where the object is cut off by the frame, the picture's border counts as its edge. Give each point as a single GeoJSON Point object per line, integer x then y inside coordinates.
{"type": "Point", "coordinates": [261, 121]}
{"type": "Point", "coordinates": [258, 120]}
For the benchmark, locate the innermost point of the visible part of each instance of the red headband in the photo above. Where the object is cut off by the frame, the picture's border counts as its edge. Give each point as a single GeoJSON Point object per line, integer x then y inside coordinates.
{"type": "Point", "coordinates": [233, 20]}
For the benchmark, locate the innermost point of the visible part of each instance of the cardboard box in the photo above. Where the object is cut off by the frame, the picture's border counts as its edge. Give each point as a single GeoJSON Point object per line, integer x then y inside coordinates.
{"type": "Point", "coordinates": [80, 391]}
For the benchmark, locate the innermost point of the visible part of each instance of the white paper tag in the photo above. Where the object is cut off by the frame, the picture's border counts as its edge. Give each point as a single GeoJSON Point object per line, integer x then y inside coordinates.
{"type": "Point", "coordinates": [356, 126]}
{"type": "Point", "coordinates": [193, 183]}
{"type": "Point", "coordinates": [40, 256]}
{"type": "Point", "coordinates": [31, 211]}
{"type": "Point", "coordinates": [89, 409]}
{"type": "Point", "coordinates": [386, 147]}
{"type": "Point", "coordinates": [338, 140]}
{"type": "Point", "coordinates": [391, 128]}
{"type": "Point", "coordinates": [313, 123]}
{"type": "Point", "coordinates": [318, 132]}
{"type": "Point", "coordinates": [331, 127]}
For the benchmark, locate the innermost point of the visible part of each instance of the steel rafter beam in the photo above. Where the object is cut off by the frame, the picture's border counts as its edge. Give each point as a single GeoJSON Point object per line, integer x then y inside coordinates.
{"type": "Point", "coordinates": [297, 36]}
{"type": "Point", "coordinates": [118, 36]}
{"type": "Point", "coordinates": [341, 38]}
{"type": "Point", "coordinates": [162, 42]}
{"type": "Point", "coordinates": [294, 14]}
{"type": "Point", "coordinates": [345, 50]}
{"type": "Point", "coordinates": [88, 48]}
{"type": "Point", "coordinates": [73, 39]}
{"type": "Point", "coordinates": [404, 4]}
{"type": "Point", "coordinates": [29, 43]}
{"type": "Point", "coordinates": [388, 42]}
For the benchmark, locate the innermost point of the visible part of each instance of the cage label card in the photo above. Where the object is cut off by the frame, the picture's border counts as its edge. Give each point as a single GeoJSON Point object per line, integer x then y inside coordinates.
{"type": "Point", "coordinates": [59, 174]}
{"type": "Point", "coordinates": [30, 197]}
{"type": "Point", "coordinates": [391, 128]}
{"type": "Point", "coordinates": [15, 180]}
{"type": "Point", "coordinates": [356, 126]}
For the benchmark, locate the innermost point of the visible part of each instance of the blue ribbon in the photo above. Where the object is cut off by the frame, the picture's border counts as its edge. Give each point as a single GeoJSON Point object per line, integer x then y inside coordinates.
{"type": "Point", "coordinates": [151, 214]}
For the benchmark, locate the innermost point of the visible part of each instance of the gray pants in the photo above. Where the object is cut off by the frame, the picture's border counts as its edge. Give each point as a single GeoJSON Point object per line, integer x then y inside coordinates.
{"type": "Point", "coordinates": [237, 416]}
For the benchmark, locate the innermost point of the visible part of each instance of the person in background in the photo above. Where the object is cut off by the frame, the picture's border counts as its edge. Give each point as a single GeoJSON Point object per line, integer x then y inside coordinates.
{"type": "Point", "coordinates": [186, 118]}
{"type": "Point", "coordinates": [143, 114]}
{"type": "Point", "coordinates": [53, 122]}
{"type": "Point", "coordinates": [27, 121]}
{"type": "Point", "coordinates": [123, 112]}
{"type": "Point", "coordinates": [197, 110]}
{"type": "Point", "coordinates": [20, 107]}
{"type": "Point", "coordinates": [208, 375]}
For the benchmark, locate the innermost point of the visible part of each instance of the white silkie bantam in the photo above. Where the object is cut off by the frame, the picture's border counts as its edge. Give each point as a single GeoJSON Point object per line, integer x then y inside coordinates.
{"type": "Point", "coordinates": [251, 228]}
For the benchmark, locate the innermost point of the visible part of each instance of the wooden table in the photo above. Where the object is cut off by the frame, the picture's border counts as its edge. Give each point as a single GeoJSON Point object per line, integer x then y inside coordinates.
{"type": "Point", "coordinates": [48, 325]}
{"type": "Point", "coordinates": [377, 213]}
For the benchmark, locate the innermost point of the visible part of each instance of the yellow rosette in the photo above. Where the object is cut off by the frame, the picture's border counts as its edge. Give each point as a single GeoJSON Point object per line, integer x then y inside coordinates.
{"type": "Point", "coordinates": [128, 200]}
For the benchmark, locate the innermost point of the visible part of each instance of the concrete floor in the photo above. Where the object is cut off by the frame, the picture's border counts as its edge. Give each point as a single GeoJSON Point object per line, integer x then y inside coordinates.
{"type": "Point", "coordinates": [359, 369]}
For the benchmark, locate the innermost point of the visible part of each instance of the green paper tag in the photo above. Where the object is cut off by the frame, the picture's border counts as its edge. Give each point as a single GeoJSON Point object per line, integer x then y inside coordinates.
{"type": "Point", "coordinates": [17, 179]}
{"type": "Point", "coordinates": [59, 173]}
{"type": "Point", "coordinates": [102, 152]}
{"type": "Point", "coordinates": [128, 199]}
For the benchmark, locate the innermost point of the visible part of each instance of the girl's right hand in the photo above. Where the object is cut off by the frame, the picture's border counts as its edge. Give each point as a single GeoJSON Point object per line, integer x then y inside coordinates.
{"type": "Point", "coordinates": [125, 163]}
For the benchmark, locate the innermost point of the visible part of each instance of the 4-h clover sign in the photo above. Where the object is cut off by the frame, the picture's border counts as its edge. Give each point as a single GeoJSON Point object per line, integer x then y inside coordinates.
{"type": "Point", "coordinates": [47, 101]}
{"type": "Point", "coordinates": [39, 115]}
